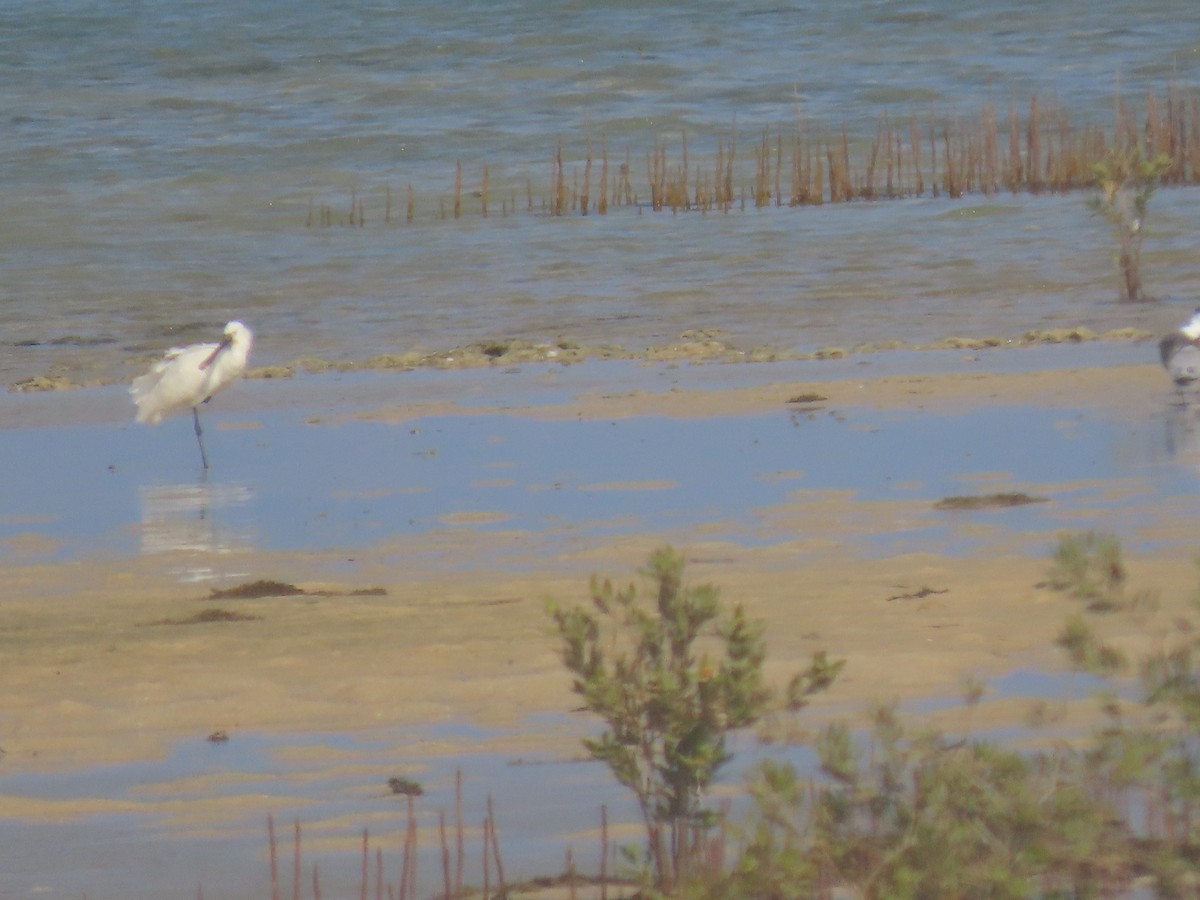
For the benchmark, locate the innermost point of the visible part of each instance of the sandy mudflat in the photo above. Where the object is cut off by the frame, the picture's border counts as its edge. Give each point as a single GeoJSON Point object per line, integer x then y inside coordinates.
{"type": "Point", "coordinates": [413, 654]}
{"type": "Point", "coordinates": [98, 667]}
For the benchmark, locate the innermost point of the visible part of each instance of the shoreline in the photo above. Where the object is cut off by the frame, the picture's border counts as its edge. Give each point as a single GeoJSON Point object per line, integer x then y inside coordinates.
{"type": "Point", "coordinates": [692, 346]}
{"type": "Point", "coordinates": [102, 607]}
{"type": "Point", "coordinates": [421, 651]}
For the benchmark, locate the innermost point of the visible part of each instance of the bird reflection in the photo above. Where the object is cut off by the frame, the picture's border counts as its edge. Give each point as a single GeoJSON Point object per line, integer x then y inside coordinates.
{"type": "Point", "coordinates": [191, 519]}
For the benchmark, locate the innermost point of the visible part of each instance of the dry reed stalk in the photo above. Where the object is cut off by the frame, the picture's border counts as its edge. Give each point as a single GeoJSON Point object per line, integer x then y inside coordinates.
{"type": "Point", "coordinates": [833, 178]}
{"type": "Point", "coordinates": [496, 847]}
{"type": "Point", "coordinates": [603, 852]}
{"type": "Point", "coordinates": [1069, 162]}
{"type": "Point", "coordinates": [811, 183]}
{"type": "Point", "coordinates": [273, 857]}
{"type": "Point", "coordinates": [1015, 169]}
{"type": "Point", "coordinates": [585, 193]}
{"type": "Point", "coordinates": [972, 162]}
{"type": "Point", "coordinates": [458, 182]}
{"type": "Point", "coordinates": [991, 151]}
{"type": "Point", "coordinates": [762, 171]}
{"type": "Point", "coordinates": [677, 191]}
{"type": "Point", "coordinates": [655, 171]}
{"type": "Point", "coordinates": [1193, 140]}
{"type": "Point", "coordinates": [719, 847]}
{"type": "Point", "coordinates": [602, 203]}
{"type": "Point", "coordinates": [411, 205]}
{"type": "Point", "coordinates": [378, 873]}
{"type": "Point", "coordinates": [296, 861]}
{"type": "Point", "coordinates": [1056, 164]}
{"type": "Point", "coordinates": [558, 199]}
{"type": "Point", "coordinates": [570, 873]}
{"type": "Point", "coordinates": [1177, 113]}
{"type": "Point", "coordinates": [818, 180]}
{"type": "Point", "coordinates": [459, 835]}
{"type": "Point", "coordinates": [795, 192]}
{"type": "Point", "coordinates": [366, 866]}
{"type": "Point", "coordinates": [408, 864]}
{"type": "Point", "coordinates": [487, 867]}
{"type": "Point", "coordinates": [847, 188]}
{"type": "Point", "coordinates": [719, 196]}
{"type": "Point", "coordinates": [1033, 149]}
{"type": "Point", "coordinates": [951, 183]}
{"type": "Point", "coordinates": [658, 189]}
{"type": "Point", "coordinates": [626, 169]}
{"type": "Point", "coordinates": [1042, 151]}
{"type": "Point", "coordinates": [1151, 815]}
{"type": "Point", "coordinates": [892, 142]}
{"type": "Point", "coordinates": [316, 883]}
{"type": "Point", "coordinates": [933, 158]}
{"type": "Point", "coordinates": [1124, 128]}
{"type": "Point", "coordinates": [867, 190]}
{"type": "Point", "coordinates": [679, 187]}
{"type": "Point", "coordinates": [729, 167]}
{"type": "Point", "coordinates": [446, 886]}
{"type": "Point", "coordinates": [1155, 128]}
{"type": "Point", "coordinates": [778, 170]}
{"type": "Point", "coordinates": [652, 176]}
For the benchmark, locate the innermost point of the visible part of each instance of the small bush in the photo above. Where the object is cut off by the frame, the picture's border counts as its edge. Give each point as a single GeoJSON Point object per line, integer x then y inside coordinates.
{"type": "Point", "coordinates": [672, 674]}
{"type": "Point", "coordinates": [1125, 180]}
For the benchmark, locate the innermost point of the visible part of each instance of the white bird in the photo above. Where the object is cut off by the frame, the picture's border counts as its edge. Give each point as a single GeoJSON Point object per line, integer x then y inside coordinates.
{"type": "Point", "coordinates": [188, 376]}
{"type": "Point", "coordinates": [1180, 353]}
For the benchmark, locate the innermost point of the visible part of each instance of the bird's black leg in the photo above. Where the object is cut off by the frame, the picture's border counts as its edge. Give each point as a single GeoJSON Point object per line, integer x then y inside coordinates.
{"type": "Point", "coordinates": [200, 438]}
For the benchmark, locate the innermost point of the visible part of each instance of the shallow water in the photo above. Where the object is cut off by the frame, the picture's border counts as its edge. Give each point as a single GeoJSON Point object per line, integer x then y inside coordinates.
{"type": "Point", "coordinates": [283, 480]}
{"type": "Point", "coordinates": [198, 816]}
{"type": "Point", "coordinates": [160, 163]}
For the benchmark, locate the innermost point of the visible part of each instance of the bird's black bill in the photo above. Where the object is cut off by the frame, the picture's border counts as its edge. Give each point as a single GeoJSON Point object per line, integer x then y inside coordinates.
{"type": "Point", "coordinates": [225, 342]}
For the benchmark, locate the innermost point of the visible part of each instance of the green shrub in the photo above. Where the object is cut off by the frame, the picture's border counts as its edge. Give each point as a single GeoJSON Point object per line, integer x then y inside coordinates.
{"type": "Point", "coordinates": [672, 674]}
{"type": "Point", "coordinates": [1125, 180]}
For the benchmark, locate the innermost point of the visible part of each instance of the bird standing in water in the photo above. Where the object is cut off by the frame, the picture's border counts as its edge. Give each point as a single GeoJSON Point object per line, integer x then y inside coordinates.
{"type": "Point", "coordinates": [188, 376]}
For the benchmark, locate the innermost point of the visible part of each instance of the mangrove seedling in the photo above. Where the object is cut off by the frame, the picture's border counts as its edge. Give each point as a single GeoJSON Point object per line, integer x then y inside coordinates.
{"type": "Point", "coordinates": [1125, 181]}
{"type": "Point", "coordinates": [672, 673]}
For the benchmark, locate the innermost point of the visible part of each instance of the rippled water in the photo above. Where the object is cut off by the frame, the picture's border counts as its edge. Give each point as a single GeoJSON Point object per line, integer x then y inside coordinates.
{"type": "Point", "coordinates": [334, 786]}
{"type": "Point", "coordinates": [284, 480]}
{"type": "Point", "coordinates": [160, 161]}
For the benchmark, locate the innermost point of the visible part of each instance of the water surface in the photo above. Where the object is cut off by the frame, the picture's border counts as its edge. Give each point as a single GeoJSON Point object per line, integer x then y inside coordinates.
{"type": "Point", "coordinates": [161, 161]}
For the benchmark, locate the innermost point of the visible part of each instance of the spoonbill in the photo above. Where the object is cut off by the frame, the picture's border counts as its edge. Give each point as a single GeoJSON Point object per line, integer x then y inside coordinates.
{"type": "Point", "coordinates": [1180, 353]}
{"type": "Point", "coordinates": [188, 376]}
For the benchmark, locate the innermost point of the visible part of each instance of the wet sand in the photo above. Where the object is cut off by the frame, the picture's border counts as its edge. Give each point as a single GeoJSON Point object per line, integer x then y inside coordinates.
{"type": "Point", "coordinates": [92, 673]}
{"type": "Point", "coordinates": [110, 660]}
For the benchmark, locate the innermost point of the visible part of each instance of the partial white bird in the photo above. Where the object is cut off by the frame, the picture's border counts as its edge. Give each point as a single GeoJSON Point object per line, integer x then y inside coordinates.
{"type": "Point", "coordinates": [1180, 353]}
{"type": "Point", "coordinates": [188, 376]}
